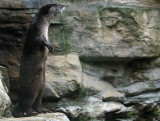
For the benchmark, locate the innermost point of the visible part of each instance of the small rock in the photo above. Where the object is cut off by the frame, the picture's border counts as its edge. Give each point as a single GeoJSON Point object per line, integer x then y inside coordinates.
{"type": "Point", "coordinates": [72, 111]}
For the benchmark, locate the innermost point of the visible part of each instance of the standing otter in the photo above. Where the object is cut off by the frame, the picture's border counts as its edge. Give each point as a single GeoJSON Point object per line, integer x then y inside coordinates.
{"type": "Point", "coordinates": [32, 68]}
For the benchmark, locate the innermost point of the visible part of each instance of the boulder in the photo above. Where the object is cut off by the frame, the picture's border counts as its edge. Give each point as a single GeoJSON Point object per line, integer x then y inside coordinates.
{"type": "Point", "coordinates": [63, 76]}
{"type": "Point", "coordinates": [101, 89]}
{"type": "Point", "coordinates": [5, 101]}
{"type": "Point", "coordinates": [113, 74]}
{"type": "Point", "coordinates": [4, 79]}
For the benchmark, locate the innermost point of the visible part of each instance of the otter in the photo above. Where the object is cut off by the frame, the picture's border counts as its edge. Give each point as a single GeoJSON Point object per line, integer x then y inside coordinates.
{"type": "Point", "coordinates": [32, 67]}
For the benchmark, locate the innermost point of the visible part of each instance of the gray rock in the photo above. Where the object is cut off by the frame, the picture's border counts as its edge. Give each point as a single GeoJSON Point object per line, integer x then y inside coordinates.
{"type": "Point", "coordinates": [145, 107]}
{"type": "Point", "coordinates": [151, 74]}
{"type": "Point", "coordinates": [140, 87]}
{"type": "Point", "coordinates": [117, 108]}
{"type": "Point", "coordinates": [156, 62]}
{"type": "Point", "coordinates": [63, 76]}
{"type": "Point", "coordinates": [41, 117]}
{"type": "Point", "coordinates": [151, 97]}
{"type": "Point", "coordinates": [129, 34]}
{"type": "Point", "coordinates": [102, 89]}
{"type": "Point", "coordinates": [145, 3]}
{"type": "Point", "coordinates": [105, 108]}
{"type": "Point", "coordinates": [132, 32]}
{"type": "Point", "coordinates": [20, 4]}
{"type": "Point", "coordinates": [5, 101]}
{"type": "Point", "coordinates": [4, 78]}
{"type": "Point", "coordinates": [109, 35]}
{"type": "Point", "coordinates": [101, 79]}
{"type": "Point", "coordinates": [89, 107]}
{"type": "Point", "coordinates": [73, 111]}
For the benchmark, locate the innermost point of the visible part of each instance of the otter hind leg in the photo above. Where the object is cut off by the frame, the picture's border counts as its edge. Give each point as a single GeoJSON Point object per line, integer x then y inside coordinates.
{"type": "Point", "coordinates": [19, 112]}
{"type": "Point", "coordinates": [30, 113]}
{"type": "Point", "coordinates": [26, 105]}
{"type": "Point", "coordinates": [37, 105]}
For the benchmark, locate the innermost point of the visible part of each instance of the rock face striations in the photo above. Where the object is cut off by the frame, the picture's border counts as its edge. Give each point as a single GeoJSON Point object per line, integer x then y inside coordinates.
{"type": "Point", "coordinates": [106, 58]}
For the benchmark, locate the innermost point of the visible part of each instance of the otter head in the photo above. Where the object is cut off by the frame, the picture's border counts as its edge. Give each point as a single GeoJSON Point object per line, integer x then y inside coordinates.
{"type": "Point", "coordinates": [51, 10]}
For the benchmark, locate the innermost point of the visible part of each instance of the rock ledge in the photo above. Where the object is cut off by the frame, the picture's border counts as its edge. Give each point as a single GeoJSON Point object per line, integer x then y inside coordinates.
{"type": "Point", "coordinates": [41, 117]}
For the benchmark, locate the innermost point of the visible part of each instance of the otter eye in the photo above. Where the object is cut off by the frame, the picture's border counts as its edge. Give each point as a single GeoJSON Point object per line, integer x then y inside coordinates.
{"type": "Point", "coordinates": [52, 9]}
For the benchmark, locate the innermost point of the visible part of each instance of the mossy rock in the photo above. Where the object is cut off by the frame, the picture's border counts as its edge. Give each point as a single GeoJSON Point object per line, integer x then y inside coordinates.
{"type": "Point", "coordinates": [5, 78]}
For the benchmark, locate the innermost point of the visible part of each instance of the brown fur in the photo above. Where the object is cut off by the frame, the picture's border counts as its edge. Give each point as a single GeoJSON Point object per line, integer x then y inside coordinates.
{"type": "Point", "coordinates": [32, 69]}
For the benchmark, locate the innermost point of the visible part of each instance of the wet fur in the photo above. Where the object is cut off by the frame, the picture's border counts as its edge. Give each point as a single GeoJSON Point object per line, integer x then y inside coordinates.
{"type": "Point", "coordinates": [32, 68]}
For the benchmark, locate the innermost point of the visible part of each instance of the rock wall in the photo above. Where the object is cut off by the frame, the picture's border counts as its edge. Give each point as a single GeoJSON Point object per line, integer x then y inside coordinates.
{"type": "Point", "coordinates": [102, 31]}
{"type": "Point", "coordinates": [105, 50]}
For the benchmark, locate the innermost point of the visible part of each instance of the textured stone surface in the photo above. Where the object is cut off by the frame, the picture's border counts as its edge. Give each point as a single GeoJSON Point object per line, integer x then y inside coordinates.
{"type": "Point", "coordinates": [117, 42]}
{"type": "Point", "coordinates": [5, 101]}
{"type": "Point", "coordinates": [144, 3]}
{"type": "Point", "coordinates": [143, 98]}
{"type": "Point", "coordinates": [102, 89]}
{"type": "Point", "coordinates": [63, 76]}
{"type": "Point", "coordinates": [103, 31]}
{"type": "Point", "coordinates": [140, 87]}
{"type": "Point", "coordinates": [89, 107]}
{"type": "Point", "coordinates": [132, 32]}
{"type": "Point", "coordinates": [41, 117]}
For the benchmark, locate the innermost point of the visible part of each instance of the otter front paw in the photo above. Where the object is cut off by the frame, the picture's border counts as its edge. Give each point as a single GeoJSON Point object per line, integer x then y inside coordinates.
{"type": "Point", "coordinates": [42, 110]}
{"type": "Point", "coordinates": [50, 47]}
